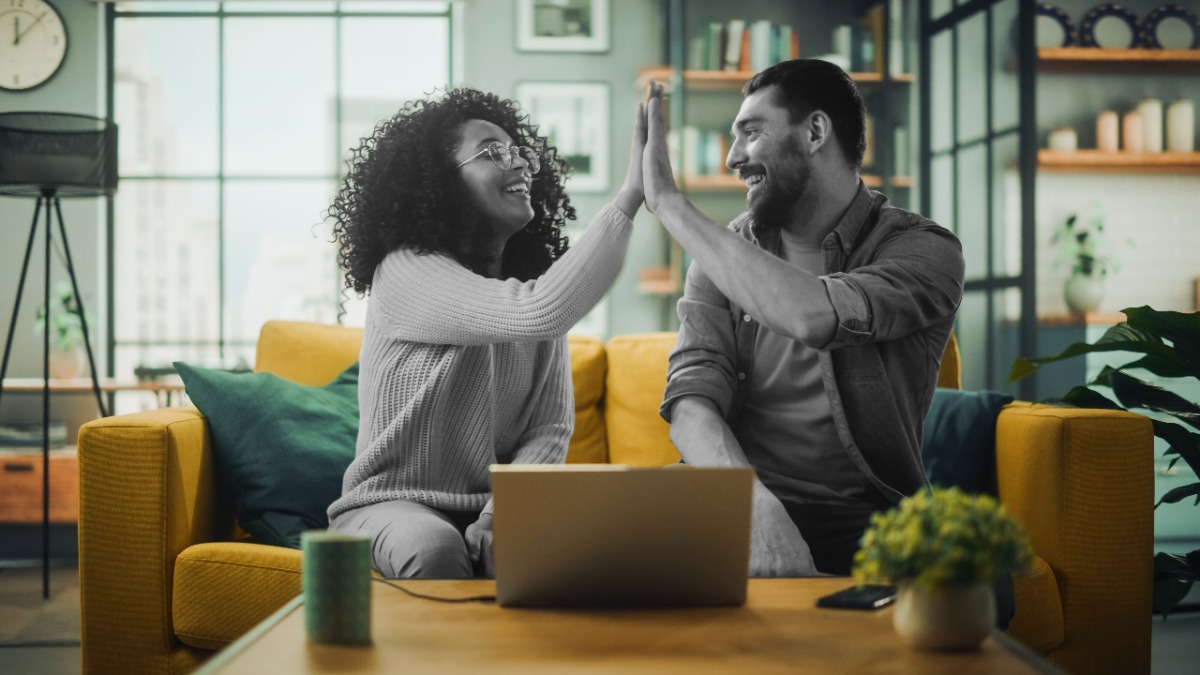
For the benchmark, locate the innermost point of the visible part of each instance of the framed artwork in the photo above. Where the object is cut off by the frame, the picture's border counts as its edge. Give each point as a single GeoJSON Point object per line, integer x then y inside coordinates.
{"type": "Point", "coordinates": [562, 25]}
{"type": "Point", "coordinates": [574, 116]}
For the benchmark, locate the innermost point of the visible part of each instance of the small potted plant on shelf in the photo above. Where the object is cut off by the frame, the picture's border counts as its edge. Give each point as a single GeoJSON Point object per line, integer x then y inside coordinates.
{"type": "Point", "coordinates": [944, 549]}
{"type": "Point", "coordinates": [66, 326]}
{"type": "Point", "coordinates": [1082, 244]}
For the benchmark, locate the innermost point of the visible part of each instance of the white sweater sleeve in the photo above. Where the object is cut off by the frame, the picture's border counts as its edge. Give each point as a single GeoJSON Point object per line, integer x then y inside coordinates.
{"type": "Point", "coordinates": [433, 299]}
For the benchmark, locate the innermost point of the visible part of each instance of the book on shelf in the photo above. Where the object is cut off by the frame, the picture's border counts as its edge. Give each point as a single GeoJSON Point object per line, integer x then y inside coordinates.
{"type": "Point", "coordinates": [870, 37]}
{"type": "Point", "coordinates": [739, 46]}
{"type": "Point", "coordinates": [734, 35]}
{"type": "Point", "coordinates": [897, 54]}
{"type": "Point", "coordinates": [701, 153]}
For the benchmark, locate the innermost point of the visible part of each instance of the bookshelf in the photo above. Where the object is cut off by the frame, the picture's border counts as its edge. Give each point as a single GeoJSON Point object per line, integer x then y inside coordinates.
{"type": "Point", "coordinates": [704, 84]}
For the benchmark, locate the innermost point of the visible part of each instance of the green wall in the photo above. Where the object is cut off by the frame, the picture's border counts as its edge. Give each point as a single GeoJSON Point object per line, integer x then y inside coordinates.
{"type": "Point", "coordinates": [491, 62]}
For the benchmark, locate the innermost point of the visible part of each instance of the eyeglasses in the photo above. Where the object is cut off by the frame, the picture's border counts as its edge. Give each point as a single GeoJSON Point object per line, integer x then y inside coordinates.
{"type": "Point", "coordinates": [503, 156]}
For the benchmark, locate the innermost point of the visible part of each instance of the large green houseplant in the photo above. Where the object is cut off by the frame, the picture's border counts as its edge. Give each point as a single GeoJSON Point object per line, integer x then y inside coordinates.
{"type": "Point", "coordinates": [1169, 345]}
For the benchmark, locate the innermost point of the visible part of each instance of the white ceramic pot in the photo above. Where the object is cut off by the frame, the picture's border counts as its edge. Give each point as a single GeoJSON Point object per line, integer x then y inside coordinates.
{"type": "Point", "coordinates": [66, 363]}
{"type": "Point", "coordinates": [952, 618]}
{"type": "Point", "coordinates": [1083, 293]}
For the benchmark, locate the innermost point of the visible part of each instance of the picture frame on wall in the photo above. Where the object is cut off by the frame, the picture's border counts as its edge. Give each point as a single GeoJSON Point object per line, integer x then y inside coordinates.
{"type": "Point", "coordinates": [575, 117]}
{"type": "Point", "coordinates": [562, 25]}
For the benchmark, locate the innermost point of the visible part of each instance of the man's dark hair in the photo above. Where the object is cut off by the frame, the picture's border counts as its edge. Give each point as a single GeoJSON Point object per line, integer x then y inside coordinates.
{"type": "Point", "coordinates": [807, 85]}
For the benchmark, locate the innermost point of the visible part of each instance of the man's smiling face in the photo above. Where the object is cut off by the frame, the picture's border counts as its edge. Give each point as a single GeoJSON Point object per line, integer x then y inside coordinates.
{"type": "Point", "coordinates": [769, 157]}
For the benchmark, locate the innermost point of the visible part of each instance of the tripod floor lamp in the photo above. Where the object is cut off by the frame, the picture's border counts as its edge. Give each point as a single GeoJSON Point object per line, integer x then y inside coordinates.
{"type": "Point", "coordinates": [49, 156]}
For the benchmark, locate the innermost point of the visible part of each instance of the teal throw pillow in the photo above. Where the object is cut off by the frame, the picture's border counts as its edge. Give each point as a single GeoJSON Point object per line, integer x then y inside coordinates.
{"type": "Point", "coordinates": [959, 442]}
{"type": "Point", "coordinates": [279, 448]}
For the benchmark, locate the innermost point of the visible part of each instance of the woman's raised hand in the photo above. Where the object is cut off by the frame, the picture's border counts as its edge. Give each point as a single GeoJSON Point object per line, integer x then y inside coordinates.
{"type": "Point", "coordinates": [632, 193]}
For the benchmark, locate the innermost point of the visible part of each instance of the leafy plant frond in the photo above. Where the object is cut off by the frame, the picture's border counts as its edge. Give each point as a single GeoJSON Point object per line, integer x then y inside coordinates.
{"type": "Point", "coordinates": [1181, 328]}
{"type": "Point", "coordinates": [1183, 443]}
{"type": "Point", "coordinates": [1173, 578]}
{"type": "Point", "coordinates": [1179, 359]}
{"type": "Point", "coordinates": [1082, 397]}
{"type": "Point", "coordinates": [1180, 493]}
{"type": "Point", "coordinates": [1133, 392]}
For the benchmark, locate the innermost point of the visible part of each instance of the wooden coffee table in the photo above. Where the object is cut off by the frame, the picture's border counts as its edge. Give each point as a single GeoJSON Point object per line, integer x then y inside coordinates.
{"type": "Point", "coordinates": [778, 630]}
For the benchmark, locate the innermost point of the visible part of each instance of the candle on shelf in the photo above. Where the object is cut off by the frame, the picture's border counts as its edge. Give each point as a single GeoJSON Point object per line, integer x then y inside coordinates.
{"type": "Point", "coordinates": [1152, 124]}
{"type": "Point", "coordinates": [1106, 131]}
{"type": "Point", "coordinates": [1063, 139]}
{"type": "Point", "coordinates": [1133, 131]}
{"type": "Point", "coordinates": [1181, 129]}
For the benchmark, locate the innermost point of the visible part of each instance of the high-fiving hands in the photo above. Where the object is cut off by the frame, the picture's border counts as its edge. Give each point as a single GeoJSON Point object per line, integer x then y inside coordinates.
{"type": "Point", "coordinates": [649, 177]}
{"type": "Point", "coordinates": [656, 164]}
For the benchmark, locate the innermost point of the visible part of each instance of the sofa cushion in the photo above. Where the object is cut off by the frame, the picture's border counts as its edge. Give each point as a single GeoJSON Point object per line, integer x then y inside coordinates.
{"type": "Point", "coordinates": [308, 353]}
{"type": "Point", "coordinates": [279, 448]}
{"type": "Point", "coordinates": [1038, 623]}
{"type": "Point", "coordinates": [959, 441]}
{"type": "Point", "coordinates": [221, 590]}
{"type": "Point", "coordinates": [637, 377]}
{"type": "Point", "coordinates": [589, 443]}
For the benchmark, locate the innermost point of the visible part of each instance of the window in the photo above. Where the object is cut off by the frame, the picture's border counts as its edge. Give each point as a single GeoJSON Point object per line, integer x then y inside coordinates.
{"type": "Point", "coordinates": [235, 118]}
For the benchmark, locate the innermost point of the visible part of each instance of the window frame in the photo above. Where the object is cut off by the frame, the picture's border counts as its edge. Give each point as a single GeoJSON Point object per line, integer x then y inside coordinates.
{"type": "Point", "coordinates": [222, 177]}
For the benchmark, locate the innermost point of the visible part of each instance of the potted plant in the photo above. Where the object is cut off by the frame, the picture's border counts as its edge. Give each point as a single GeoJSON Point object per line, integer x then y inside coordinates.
{"type": "Point", "coordinates": [66, 326]}
{"type": "Point", "coordinates": [944, 549]}
{"type": "Point", "coordinates": [1168, 345]}
{"type": "Point", "coordinates": [1082, 244]}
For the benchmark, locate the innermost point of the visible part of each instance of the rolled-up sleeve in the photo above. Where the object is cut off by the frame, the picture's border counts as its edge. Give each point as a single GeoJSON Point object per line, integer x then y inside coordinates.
{"type": "Point", "coordinates": [914, 280]}
{"type": "Point", "coordinates": [704, 358]}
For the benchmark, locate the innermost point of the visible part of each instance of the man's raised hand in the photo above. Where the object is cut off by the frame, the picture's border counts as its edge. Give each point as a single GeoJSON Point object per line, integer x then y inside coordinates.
{"type": "Point", "coordinates": [656, 165]}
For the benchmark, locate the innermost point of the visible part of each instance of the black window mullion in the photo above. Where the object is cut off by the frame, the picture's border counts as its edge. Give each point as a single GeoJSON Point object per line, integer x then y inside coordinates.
{"type": "Point", "coordinates": [989, 338]}
{"type": "Point", "coordinates": [221, 183]}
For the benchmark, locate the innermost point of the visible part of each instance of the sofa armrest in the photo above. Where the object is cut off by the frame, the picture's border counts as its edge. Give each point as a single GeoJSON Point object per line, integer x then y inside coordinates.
{"type": "Point", "coordinates": [146, 492]}
{"type": "Point", "coordinates": [1081, 482]}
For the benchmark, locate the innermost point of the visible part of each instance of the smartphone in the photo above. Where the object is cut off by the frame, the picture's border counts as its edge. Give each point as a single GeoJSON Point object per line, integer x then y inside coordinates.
{"type": "Point", "coordinates": [871, 596]}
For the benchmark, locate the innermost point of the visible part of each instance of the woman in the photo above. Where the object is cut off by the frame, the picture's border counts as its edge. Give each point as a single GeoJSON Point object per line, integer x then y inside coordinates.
{"type": "Point", "coordinates": [451, 217]}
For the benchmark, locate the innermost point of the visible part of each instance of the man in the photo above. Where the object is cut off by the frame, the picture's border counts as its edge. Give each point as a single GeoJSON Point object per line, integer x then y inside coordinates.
{"type": "Point", "coordinates": [811, 330]}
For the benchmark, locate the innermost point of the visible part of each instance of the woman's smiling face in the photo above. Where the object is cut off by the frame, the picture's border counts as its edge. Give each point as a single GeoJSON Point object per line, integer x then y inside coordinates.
{"type": "Point", "coordinates": [499, 196]}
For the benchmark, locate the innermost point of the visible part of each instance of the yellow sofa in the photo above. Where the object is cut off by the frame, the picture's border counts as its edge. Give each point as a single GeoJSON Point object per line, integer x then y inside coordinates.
{"type": "Point", "coordinates": [166, 577]}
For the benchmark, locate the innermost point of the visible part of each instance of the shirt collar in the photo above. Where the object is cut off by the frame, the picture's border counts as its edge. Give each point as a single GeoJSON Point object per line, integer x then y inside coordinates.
{"type": "Point", "coordinates": [848, 228]}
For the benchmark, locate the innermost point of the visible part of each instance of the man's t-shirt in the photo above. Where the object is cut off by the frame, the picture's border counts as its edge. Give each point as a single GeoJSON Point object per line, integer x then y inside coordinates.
{"type": "Point", "coordinates": [786, 426]}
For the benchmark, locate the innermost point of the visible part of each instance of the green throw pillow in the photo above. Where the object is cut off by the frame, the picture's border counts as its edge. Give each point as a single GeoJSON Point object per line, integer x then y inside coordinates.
{"type": "Point", "coordinates": [959, 440]}
{"type": "Point", "coordinates": [279, 448]}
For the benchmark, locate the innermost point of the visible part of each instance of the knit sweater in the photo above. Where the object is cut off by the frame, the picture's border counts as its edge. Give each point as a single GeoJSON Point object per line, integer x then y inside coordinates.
{"type": "Point", "coordinates": [459, 371]}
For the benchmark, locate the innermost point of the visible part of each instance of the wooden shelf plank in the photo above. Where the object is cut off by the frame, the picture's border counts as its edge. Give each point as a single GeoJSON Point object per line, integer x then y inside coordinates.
{"type": "Point", "coordinates": [1093, 54]}
{"type": "Point", "coordinates": [731, 183]}
{"type": "Point", "coordinates": [722, 80]}
{"type": "Point", "coordinates": [1131, 162]}
{"type": "Point", "coordinates": [1094, 60]}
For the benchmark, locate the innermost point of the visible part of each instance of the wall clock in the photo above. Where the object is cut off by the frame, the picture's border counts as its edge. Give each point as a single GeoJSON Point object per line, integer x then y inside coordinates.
{"type": "Point", "coordinates": [33, 43]}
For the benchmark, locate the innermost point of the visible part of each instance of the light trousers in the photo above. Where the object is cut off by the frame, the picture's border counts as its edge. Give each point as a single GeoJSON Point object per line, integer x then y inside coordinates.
{"type": "Point", "coordinates": [411, 540]}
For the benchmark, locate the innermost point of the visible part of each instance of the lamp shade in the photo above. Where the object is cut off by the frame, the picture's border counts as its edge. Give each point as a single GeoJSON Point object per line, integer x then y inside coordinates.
{"type": "Point", "coordinates": [61, 153]}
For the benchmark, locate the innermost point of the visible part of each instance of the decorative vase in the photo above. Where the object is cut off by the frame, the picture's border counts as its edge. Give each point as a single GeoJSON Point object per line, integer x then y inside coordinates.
{"type": "Point", "coordinates": [954, 617]}
{"type": "Point", "coordinates": [66, 364]}
{"type": "Point", "coordinates": [1083, 292]}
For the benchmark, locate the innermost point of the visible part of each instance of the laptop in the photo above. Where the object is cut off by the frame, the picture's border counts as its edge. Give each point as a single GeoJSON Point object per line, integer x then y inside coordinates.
{"type": "Point", "coordinates": [602, 534]}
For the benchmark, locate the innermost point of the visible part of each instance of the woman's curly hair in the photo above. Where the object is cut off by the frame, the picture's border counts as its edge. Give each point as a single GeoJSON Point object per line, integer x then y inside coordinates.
{"type": "Point", "coordinates": [403, 190]}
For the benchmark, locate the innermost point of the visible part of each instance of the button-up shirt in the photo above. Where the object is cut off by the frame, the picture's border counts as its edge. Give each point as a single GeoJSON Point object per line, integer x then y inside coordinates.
{"type": "Point", "coordinates": [895, 280]}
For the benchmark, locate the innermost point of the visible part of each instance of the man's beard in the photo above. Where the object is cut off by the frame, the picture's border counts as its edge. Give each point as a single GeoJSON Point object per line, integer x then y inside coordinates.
{"type": "Point", "coordinates": [775, 202]}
